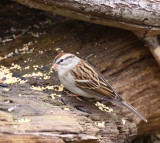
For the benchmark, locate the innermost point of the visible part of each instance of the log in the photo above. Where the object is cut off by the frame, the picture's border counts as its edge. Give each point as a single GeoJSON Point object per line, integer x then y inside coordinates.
{"type": "Point", "coordinates": [30, 115]}
{"type": "Point", "coordinates": [131, 15]}
{"type": "Point", "coordinates": [140, 17]}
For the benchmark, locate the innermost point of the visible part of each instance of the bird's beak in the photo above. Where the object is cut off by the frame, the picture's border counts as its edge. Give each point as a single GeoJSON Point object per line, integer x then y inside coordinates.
{"type": "Point", "coordinates": [54, 66]}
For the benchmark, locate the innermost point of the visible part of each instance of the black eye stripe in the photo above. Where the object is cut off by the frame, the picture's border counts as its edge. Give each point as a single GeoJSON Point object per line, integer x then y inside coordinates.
{"type": "Point", "coordinates": [65, 59]}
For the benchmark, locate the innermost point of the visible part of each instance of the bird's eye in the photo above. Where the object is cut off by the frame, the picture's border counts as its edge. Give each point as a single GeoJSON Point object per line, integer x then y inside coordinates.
{"type": "Point", "coordinates": [61, 60]}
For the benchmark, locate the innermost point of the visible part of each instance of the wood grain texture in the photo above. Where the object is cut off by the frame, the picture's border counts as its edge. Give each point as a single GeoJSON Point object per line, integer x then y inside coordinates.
{"type": "Point", "coordinates": [142, 16]}
{"type": "Point", "coordinates": [154, 46]}
{"type": "Point", "coordinates": [117, 54]}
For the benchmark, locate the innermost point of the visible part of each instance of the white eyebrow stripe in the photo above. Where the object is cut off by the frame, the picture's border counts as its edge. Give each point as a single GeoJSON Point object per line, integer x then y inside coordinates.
{"type": "Point", "coordinates": [82, 80]}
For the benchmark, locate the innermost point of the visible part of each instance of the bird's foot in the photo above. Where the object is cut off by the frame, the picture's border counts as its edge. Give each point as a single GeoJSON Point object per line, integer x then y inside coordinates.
{"type": "Point", "coordinates": [73, 95]}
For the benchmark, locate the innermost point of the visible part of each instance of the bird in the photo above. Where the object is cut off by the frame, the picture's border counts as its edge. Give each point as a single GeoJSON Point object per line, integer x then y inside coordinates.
{"type": "Point", "coordinates": [82, 79]}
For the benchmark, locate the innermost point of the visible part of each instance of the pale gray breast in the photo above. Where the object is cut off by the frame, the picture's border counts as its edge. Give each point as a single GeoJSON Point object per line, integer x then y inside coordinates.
{"type": "Point", "coordinates": [69, 82]}
{"type": "Point", "coordinates": [67, 79]}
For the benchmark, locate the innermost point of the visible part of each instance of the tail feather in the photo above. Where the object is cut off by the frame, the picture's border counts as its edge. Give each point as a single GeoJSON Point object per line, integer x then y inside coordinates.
{"type": "Point", "coordinates": [130, 107]}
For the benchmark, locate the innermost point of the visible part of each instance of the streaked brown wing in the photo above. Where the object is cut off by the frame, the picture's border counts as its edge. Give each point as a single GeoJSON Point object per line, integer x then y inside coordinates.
{"type": "Point", "coordinates": [87, 78]}
{"type": "Point", "coordinates": [106, 89]}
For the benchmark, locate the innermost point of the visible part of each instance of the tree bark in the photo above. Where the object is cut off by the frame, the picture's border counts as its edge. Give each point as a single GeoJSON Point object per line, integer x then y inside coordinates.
{"type": "Point", "coordinates": [141, 17]}
{"type": "Point", "coordinates": [117, 54]}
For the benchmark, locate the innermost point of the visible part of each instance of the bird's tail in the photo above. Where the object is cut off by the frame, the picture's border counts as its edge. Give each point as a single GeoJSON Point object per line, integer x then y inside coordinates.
{"type": "Point", "coordinates": [130, 107]}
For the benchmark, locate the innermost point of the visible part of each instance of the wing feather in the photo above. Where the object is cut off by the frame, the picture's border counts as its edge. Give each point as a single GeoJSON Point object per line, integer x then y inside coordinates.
{"type": "Point", "coordinates": [86, 77]}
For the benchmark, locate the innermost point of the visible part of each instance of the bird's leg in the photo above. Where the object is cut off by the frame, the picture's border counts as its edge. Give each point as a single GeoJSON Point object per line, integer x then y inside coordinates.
{"type": "Point", "coordinates": [73, 95]}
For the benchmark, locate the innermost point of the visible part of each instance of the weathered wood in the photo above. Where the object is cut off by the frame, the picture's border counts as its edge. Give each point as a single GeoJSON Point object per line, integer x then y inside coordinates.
{"type": "Point", "coordinates": [134, 15]}
{"type": "Point", "coordinates": [44, 118]}
{"type": "Point", "coordinates": [152, 43]}
{"type": "Point", "coordinates": [39, 118]}
{"type": "Point", "coordinates": [11, 138]}
{"type": "Point", "coordinates": [154, 47]}
{"type": "Point", "coordinates": [142, 17]}
{"type": "Point", "coordinates": [121, 58]}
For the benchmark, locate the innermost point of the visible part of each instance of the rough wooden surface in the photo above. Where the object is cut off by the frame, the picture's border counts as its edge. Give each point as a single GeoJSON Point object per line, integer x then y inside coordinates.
{"type": "Point", "coordinates": [118, 54]}
{"type": "Point", "coordinates": [142, 16]}
{"type": "Point", "coordinates": [154, 46]}
{"type": "Point", "coordinates": [46, 119]}
{"type": "Point", "coordinates": [10, 138]}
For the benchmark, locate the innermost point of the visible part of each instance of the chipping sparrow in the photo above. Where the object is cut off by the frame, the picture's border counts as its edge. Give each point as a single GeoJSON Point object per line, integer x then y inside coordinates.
{"type": "Point", "coordinates": [82, 79]}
